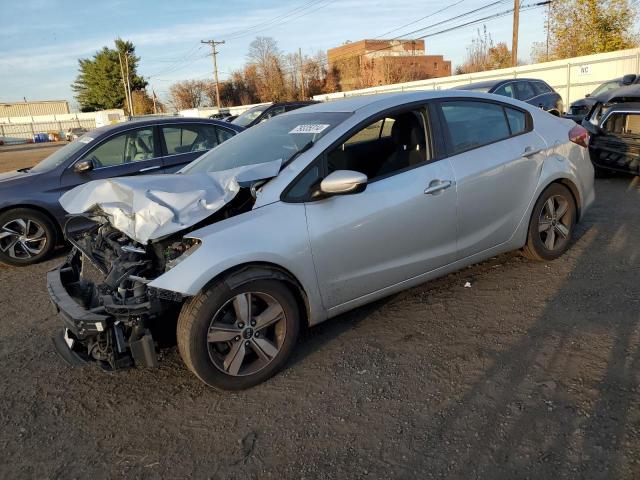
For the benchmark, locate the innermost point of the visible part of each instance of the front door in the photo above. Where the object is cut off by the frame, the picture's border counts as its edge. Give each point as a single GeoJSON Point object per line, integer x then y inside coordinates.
{"type": "Point", "coordinates": [132, 152]}
{"type": "Point", "coordinates": [401, 226]}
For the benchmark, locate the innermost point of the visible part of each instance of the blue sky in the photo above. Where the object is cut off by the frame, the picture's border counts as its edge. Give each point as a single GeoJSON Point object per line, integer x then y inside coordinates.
{"type": "Point", "coordinates": [41, 40]}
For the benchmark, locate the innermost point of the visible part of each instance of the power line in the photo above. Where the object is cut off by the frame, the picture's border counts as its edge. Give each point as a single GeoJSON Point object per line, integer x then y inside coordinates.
{"type": "Point", "coordinates": [420, 19]}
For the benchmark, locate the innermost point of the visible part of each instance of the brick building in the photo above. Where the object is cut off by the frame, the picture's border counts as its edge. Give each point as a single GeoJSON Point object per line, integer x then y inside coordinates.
{"type": "Point", "coordinates": [367, 63]}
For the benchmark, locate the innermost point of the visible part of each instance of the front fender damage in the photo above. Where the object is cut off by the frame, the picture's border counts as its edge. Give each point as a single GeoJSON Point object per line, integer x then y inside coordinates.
{"type": "Point", "coordinates": [139, 232]}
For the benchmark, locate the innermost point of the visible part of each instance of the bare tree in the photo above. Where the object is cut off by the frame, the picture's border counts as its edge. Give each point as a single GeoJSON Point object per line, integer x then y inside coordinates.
{"type": "Point", "coordinates": [188, 94]}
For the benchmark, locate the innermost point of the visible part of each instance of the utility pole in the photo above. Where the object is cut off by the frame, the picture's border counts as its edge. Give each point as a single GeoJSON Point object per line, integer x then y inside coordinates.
{"type": "Point", "coordinates": [214, 52]}
{"type": "Point", "coordinates": [126, 61]}
{"type": "Point", "coordinates": [301, 73]}
{"type": "Point", "coordinates": [124, 84]}
{"type": "Point", "coordinates": [516, 24]}
{"type": "Point", "coordinates": [548, 28]}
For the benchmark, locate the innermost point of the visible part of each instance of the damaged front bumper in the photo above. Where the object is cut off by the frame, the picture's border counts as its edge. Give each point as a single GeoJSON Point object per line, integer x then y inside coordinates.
{"type": "Point", "coordinates": [116, 336]}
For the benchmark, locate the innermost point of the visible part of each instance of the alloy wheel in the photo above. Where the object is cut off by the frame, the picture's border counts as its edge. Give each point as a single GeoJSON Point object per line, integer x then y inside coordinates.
{"type": "Point", "coordinates": [554, 224]}
{"type": "Point", "coordinates": [246, 334]}
{"type": "Point", "coordinates": [22, 238]}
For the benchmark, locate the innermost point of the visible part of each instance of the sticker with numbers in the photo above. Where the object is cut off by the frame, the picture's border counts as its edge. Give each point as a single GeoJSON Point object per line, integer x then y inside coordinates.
{"type": "Point", "coordinates": [310, 128]}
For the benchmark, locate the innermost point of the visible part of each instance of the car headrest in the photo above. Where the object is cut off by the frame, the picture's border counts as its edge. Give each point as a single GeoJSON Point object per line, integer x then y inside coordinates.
{"type": "Point", "coordinates": [407, 131]}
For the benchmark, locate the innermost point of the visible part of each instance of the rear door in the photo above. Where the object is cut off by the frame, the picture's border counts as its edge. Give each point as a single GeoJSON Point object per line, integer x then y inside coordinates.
{"type": "Point", "coordinates": [184, 142]}
{"type": "Point", "coordinates": [132, 152]}
{"type": "Point", "coordinates": [497, 158]}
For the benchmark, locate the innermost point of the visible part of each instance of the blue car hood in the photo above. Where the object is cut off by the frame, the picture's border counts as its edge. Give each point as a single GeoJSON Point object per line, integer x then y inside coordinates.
{"type": "Point", "coordinates": [16, 178]}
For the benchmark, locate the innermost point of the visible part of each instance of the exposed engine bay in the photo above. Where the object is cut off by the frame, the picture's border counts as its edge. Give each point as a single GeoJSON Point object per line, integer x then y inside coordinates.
{"type": "Point", "coordinates": [117, 318]}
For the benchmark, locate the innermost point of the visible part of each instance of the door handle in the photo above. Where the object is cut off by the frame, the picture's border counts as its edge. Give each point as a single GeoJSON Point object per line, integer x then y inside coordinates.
{"type": "Point", "coordinates": [148, 169]}
{"type": "Point", "coordinates": [530, 151]}
{"type": "Point", "coordinates": [437, 186]}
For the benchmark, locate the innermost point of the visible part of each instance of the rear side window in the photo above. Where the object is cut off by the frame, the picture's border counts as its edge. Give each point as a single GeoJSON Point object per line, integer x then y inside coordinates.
{"type": "Point", "coordinates": [517, 120]}
{"type": "Point", "coordinates": [524, 91]}
{"type": "Point", "coordinates": [505, 90]}
{"type": "Point", "coordinates": [473, 124]}
{"type": "Point", "coordinates": [541, 88]}
{"type": "Point", "coordinates": [189, 138]}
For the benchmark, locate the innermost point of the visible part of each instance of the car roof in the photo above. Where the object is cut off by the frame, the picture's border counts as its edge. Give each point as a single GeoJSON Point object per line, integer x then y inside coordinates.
{"type": "Point", "coordinates": [297, 102]}
{"type": "Point", "coordinates": [149, 122]}
{"type": "Point", "coordinates": [626, 93]}
{"type": "Point", "coordinates": [384, 100]}
{"type": "Point", "coordinates": [495, 83]}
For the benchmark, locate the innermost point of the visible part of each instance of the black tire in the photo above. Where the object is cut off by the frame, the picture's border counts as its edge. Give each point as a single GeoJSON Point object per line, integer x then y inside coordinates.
{"type": "Point", "coordinates": [538, 241]}
{"type": "Point", "coordinates": [194, 324]}
{"type": "Point", "coordinates": [19, 256]}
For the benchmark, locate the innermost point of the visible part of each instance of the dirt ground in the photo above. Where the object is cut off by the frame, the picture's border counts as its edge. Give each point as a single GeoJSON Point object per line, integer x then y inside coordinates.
{"type": "Point", "coordinates": [13, 157]}
{"type": "Point", "coordinates": [532, 372]}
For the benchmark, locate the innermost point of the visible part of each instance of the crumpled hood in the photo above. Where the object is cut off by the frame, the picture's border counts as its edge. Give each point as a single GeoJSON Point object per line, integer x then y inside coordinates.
{"type": "Point", "coordinates": [147, 208]}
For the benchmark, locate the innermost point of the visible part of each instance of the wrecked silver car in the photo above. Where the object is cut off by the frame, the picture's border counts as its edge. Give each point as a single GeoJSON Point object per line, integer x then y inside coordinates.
{"type": "Point", "coordinates": [307, 216]}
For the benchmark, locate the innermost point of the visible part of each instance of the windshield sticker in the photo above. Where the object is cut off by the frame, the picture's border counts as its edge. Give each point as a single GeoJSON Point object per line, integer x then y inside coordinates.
{"type": "Point", "coordinates": [85, 139]}
{"type": "Point", "coordinates": [310, 128]}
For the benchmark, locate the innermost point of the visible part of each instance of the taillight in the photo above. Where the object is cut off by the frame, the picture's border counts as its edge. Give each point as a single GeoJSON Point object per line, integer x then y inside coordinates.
{"type": "Point", "coordinates": [579, 135]}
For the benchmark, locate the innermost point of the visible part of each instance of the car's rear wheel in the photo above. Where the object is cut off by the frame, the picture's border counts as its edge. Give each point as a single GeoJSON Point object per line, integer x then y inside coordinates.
{"type": "Point", "coordinates": [552, 224]}
{"type": "Point", "coordinates": [26, 237]}
{"type": "Point", "coordinates": [233, 339]}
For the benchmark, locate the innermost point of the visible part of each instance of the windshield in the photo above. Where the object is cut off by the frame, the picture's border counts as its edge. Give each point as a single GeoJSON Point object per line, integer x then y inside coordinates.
{"type": "Point", "coordinates": [605, 87]}
{"type": "Point", "coordinates": [62, 154]}
{"type": "Point", "coordinates": [281, 137]}
{"type": "Point", "coordinates": [250, 115]}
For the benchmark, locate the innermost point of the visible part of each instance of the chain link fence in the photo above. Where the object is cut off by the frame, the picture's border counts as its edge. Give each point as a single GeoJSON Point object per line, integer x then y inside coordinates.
{"type": "Point", "coordinates": [26, 131]}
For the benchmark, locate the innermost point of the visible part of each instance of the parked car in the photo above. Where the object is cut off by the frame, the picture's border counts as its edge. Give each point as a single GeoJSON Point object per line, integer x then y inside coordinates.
{"type": "Point", "coordinates": [579, 108]}
{"type": "Point", "coordinates": [220, 116]}
{"type": "Point", "coordinates": [260, 113]}
{"type": "Point", "coordinates": [324, 209]}
{"type": "Point", "coordinates": [614, 127]}
{"type": "Point", "coordinates": [535, 92]}
{"type": "Point", "coordinates": [31, 218]}
{"type": "Point", "coordinates": [74, 133]}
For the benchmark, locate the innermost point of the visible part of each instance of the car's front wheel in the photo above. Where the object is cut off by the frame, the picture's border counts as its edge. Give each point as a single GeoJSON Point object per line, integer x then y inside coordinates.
{"type": "Point", "coordinates": [233, 339]}
{"type": "Point", "coordinates": [551, 225]}
{"type": "Point", "coordinates": [26, 237]}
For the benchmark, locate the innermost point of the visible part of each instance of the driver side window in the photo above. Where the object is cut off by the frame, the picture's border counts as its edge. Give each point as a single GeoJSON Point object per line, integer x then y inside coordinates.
{"type": "Point", "coordinates": [130, 146]}
{"type": "Point", "coordinates": [386, 146]}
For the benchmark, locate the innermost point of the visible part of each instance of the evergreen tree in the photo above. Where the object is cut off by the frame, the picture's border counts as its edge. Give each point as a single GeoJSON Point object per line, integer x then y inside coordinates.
{"type": "Point", "coordinates": [99, 84]}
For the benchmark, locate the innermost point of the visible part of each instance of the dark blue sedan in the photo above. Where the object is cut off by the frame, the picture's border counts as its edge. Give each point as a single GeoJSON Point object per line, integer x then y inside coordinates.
{"type": "Point", "coordinates": [534, 92]}
{"type": "Point", "coordinates": [31, 218]}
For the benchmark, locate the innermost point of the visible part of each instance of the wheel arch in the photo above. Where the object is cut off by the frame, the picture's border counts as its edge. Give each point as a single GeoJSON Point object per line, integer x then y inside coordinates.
{"type": "Point", "coordinates": [243, 273]}
{"type": "Point", "coordinates": [28, 206]}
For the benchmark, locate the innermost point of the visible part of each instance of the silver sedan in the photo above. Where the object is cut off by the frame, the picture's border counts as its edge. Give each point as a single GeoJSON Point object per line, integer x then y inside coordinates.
{"type": "Point", "coordinates": [375, 194]}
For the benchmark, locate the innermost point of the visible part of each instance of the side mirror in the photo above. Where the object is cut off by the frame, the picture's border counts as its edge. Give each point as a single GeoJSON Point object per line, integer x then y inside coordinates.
{"type": "Point", "coordinates": [587, 95]}
{"type": "Point", "coordinates": [83, 166]}
{"type": "Point", "coordinates": [342, 182]}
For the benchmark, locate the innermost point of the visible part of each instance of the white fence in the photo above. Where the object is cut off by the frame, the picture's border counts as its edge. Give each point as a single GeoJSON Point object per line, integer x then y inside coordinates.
{"type": "Point", "coordinates": [572, 78]}
{"type": "Point", "coordinates": [26, 127]}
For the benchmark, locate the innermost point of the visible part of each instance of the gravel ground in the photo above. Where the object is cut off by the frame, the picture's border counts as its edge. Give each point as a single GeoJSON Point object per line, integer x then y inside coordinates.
{"type": "Point", "coordinates": [532, 372]}
{"type": "Point", "coordinates": [13, 157]}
